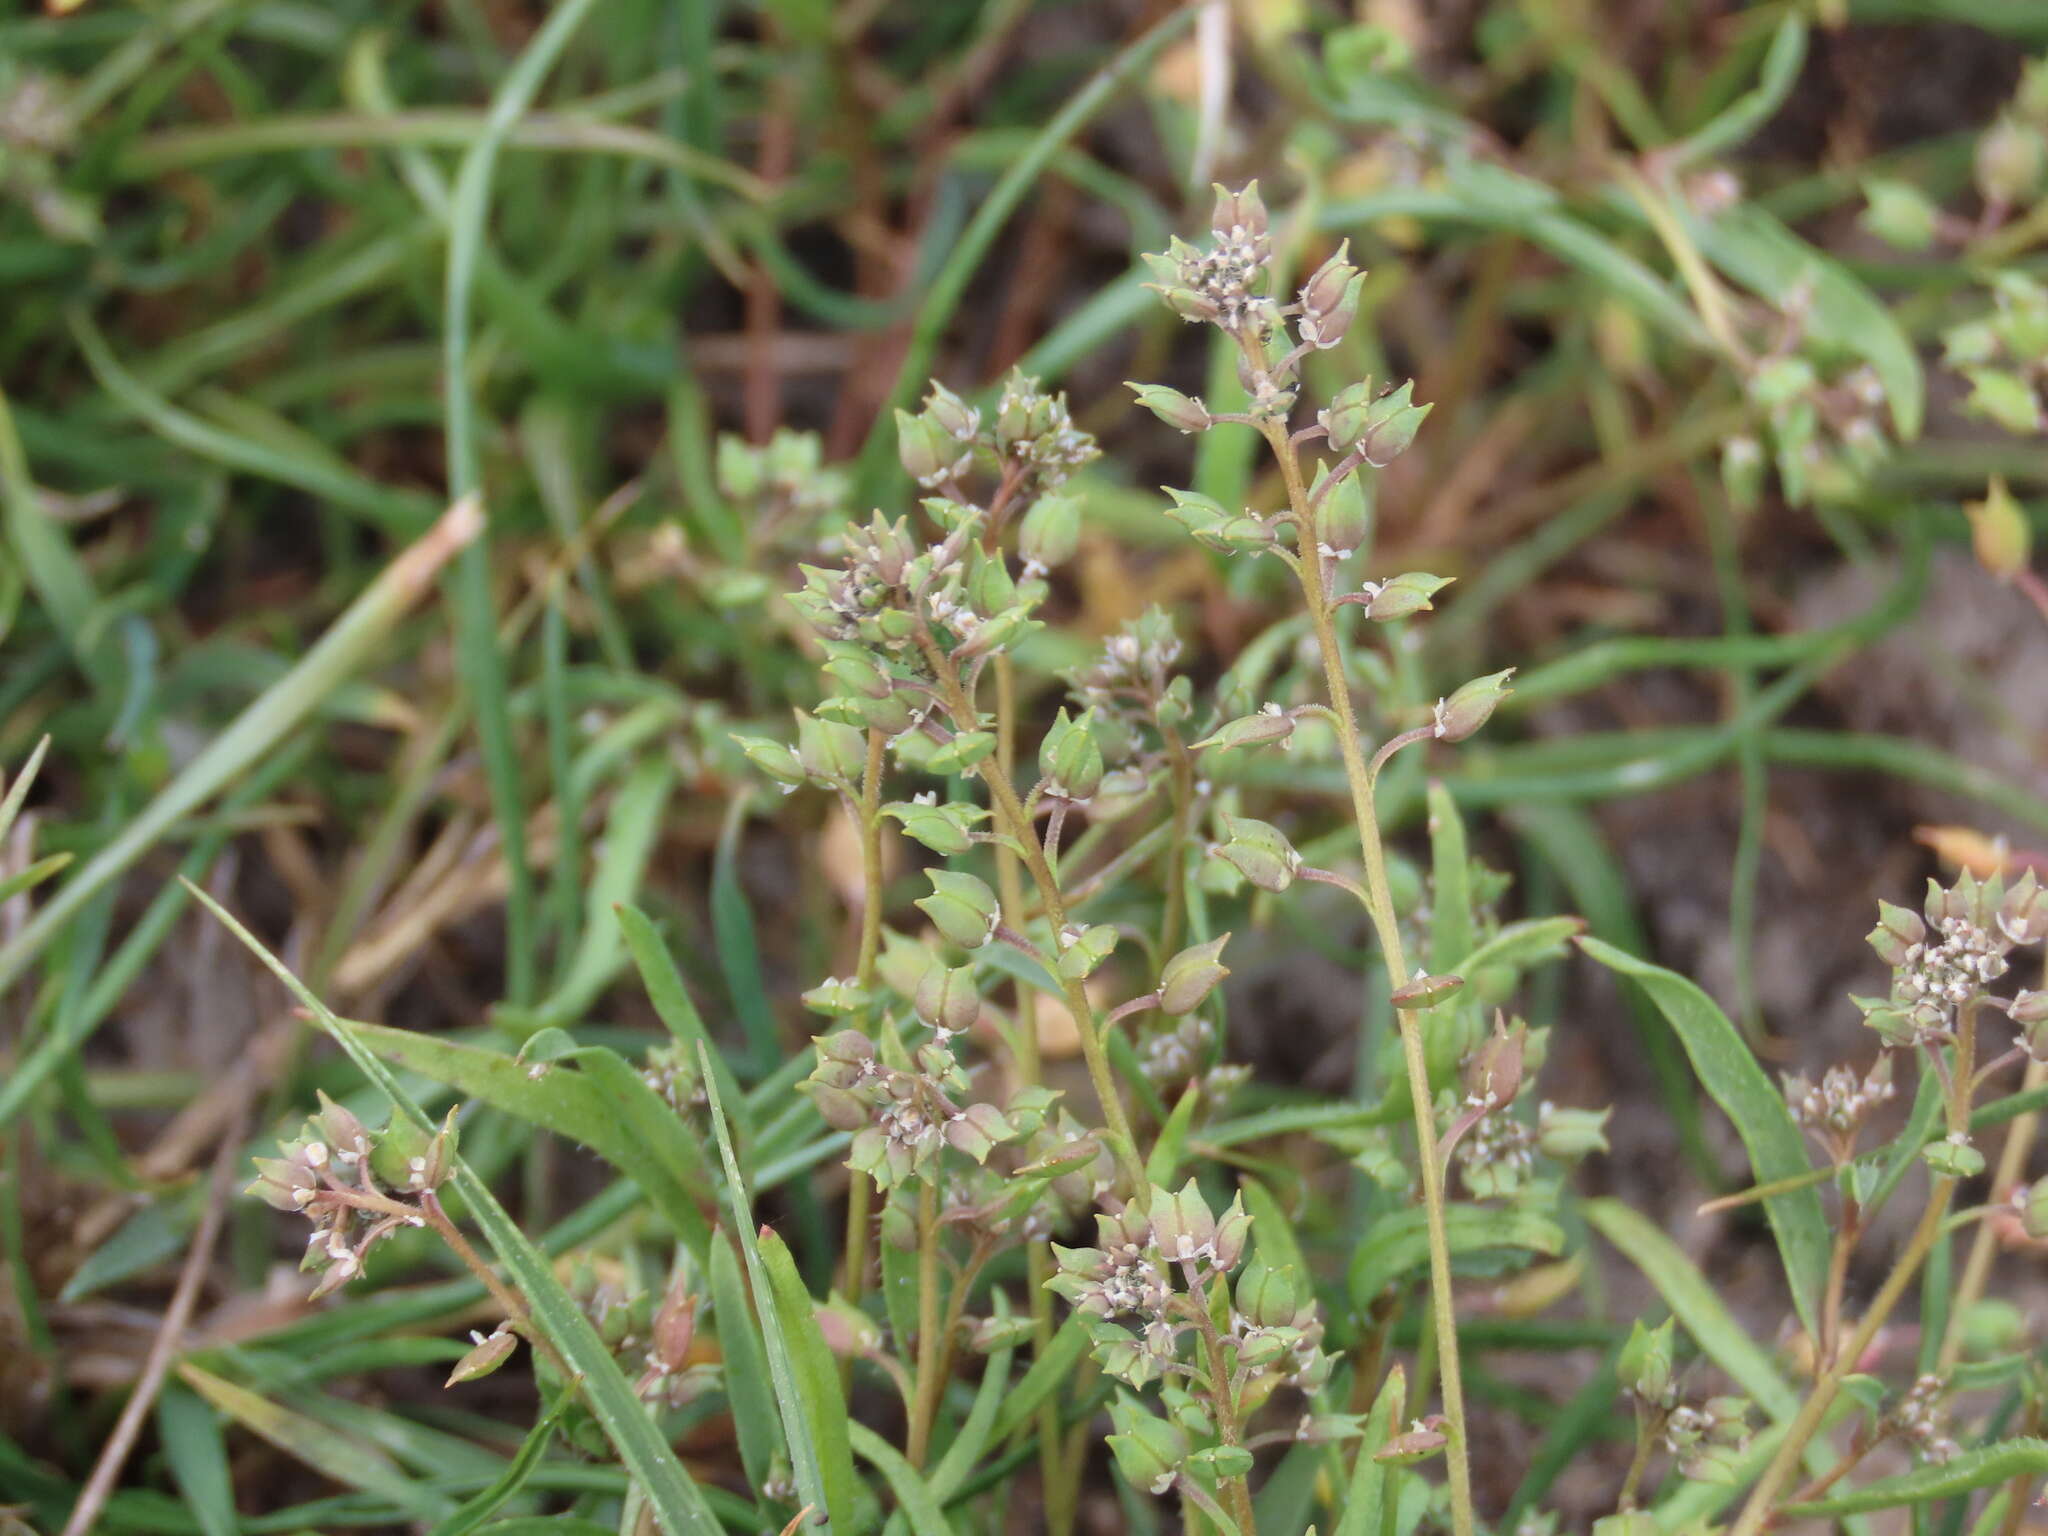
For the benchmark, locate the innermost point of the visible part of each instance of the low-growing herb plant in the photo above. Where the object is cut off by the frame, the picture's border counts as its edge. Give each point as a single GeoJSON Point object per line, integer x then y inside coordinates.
{"type": "Point", "coordinates": [1118, 1257]}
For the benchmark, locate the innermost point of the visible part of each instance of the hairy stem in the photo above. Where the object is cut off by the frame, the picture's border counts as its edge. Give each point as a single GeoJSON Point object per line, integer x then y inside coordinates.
{"type": "Point", "coordinates": [1380, 903]}
{"type": "Point", "coordinates": [1223, 1398]}
{"type": "Point", "coordinates": [512, 1303]}
{"type": "Point", "coordinates": [860, 1189]}
{"type": "Point", "coordinates": [2012, 1162]}
{"type": "Point", "coordinates": [1017, 822]}
{"type": "Point", "coordinates": [925, 1402]}
{"type": "Point", "coordinates": [1757, 1512]}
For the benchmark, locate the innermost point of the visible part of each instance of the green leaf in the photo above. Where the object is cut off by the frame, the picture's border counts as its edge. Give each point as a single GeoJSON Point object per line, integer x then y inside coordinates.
{"type": "Point", "coordinates": [630, 832]}
{"type": "Point", "coordinates": [974, 1435]}
{"type": "Point", "coordinates": [672, 1002]}
{"type": "Point", "coordinates": [912, 1492]}
{"type": "Point", "coordinates": [1365, 1505]}
{"type": "Point", "coordinates": [487, 1501]}
{"type": "Point", "coordinates": [816, 1377]}
{"type": "Point", "coordinates": [591, 1097]}
{"type": "Point", "coordinates": [1052, 1369]}
{"type": "Point", "coordinates": [153, 1233]}
{"type": "Point", "coordinates": [747, 1388]}
{"type": "Point", "coordinates": [1450, 908]}
{"type": "Point", "coordinates": [1695, 1303]}
{"type": "Point", "coordinates": [789, 1376]}
{"type": "Point", "coordinates": [739, 957]}
{"type": "Point", "coordinates": [1973, 1469]}
{"type": "Point", "coordinates": [1734, 123]}
{"type": "Point", "coordinates": [190, 1433]}
{"type": "Point", "coordinates": [677, 1502]}
{"type": "Point", "coordinates": [1398, 1244]}
{"type": "Point", "coordinates": [317, 1445]}
{"type": "Point", "coordinates": [1171, 1146]}
{"type": "Point", "coordinates": [1731, 1076]}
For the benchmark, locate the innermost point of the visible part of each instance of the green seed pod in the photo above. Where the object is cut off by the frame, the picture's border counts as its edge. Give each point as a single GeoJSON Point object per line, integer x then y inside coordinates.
{"type": "Point", "coordinates": [1421, 991]}
{"type": "Point", "coordinates": [1148, 1450]}
{"type": "Point", "coordinates": [1190, 976]}
{"type": "Point", "coordinates": [1268, 1296]}
{"type": "Point", "coordinates": [1271, 723]}
{"type": "Point", "coordinates": [829, 750]}
{"type": "Point", "coordinates": [1570, 1134]}
{"type": "Point", "coordinates": [1070, 759]}
{"type": "Point", "coordinates": [2006, 398]}
{"type": "Point", "coordinates": [489, 1353]}
{"type": "Point", "coordinates": [1085, 950]}
{"type": "Point", "coordinates": [1742, 472]}
{"type": "Point", "coordinates": [1185, 412]}
{"type": "Point", "coordinates": [954, 416]}
{"type": "Point", "coordinates": [2009, 161]}
{"type": "Point", "coordinates": [1899, 214]}
{"type": "Point", "coordinates": [948, 830]}
{"type": "Point", "coordinates": [1346, 416]}
{"type": "Point", "coordinates": [927, 450]}
{"type": "Point", "coordinates": [961, 907]}
{"type": "Point", "coordinates": [977, 1131]}
{"type": "Point", "coordinates": [1259, 851]}
{"type": "Point", "coordinates": [1051, 530]}
{"type": "Point", "coordinates": [1953, 1159]}
{"type": "Point", "coordinates": [947, 999]}
{"type": "Point", "coordinates": [1897, 933]}
{"type": "Point", "coordinates": [1465, 711]}
{"type": "Point", "coordinates": [1391, 422]}
{"type": "Point", "coordinates": [1239, 211]}
{"type": "Point", "coordinates": [986, 1335]}
{"type": "Point", "coordinates": [1402, 595]}
{"type": "Point", "coordinates": [1344, 518]}
{"type": "Point", "coordinates": [1644, 1366]}
{"type": "Point", "coordinates": [1999, 534]}
{"type": "Point", "coordinates": [961, 753]}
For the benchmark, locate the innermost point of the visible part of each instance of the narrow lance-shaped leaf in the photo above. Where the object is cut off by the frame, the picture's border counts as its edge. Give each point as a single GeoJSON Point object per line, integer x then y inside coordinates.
{"type": "Point", "coordinates": [1735, 1081]}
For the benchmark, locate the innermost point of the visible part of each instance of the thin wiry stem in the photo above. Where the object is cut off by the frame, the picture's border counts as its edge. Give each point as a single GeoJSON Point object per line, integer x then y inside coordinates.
{"type": "Point", "coordinates": [1380, 903]}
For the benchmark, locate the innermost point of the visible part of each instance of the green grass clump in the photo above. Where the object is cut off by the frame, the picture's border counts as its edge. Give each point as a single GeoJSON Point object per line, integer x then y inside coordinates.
{"type": "Point", "coordinates": [765, 914]}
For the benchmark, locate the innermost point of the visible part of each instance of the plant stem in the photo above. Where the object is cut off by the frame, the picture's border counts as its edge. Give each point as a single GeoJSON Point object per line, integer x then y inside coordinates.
{"type": "Point", "coordinates": [1380, 903]}
{"type": "Point", "coordinates": [1182, 782]}
{"type": "Point", "coordinates": [513, 1305]}
{"type": "Point", "coordinates": [925, 1404]}
{"type": "Point", "coordinates": [1018, 824]}
{"type": "Point", "coordinates": [1757, 1512]}
{"type": "Point", "coordinates": [1223, 1397]}
{"type": "Point", "coordinates": [859, 1188]}
{"type": "Point", "coordinates": [1626, 1499]}
{"type": "Point", "coordinates": [2012, 1160]}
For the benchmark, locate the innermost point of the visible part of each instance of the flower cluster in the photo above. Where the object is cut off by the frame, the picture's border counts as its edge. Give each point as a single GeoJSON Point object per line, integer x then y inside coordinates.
{"type": "Point", "coordinates": [353, 1188]}
{"type": "Point", "coordinates": [1835, 1110]}
{"type": "Point", "coordinates": [1706, 1438]}
{"type": "Point", "coordinates": [1949, 960]}
{"type": "Point", "coordinates": [1494, 1148]}
{"type": "Point", "coordinates": [902, 1118]}
{"type": "Point", "coordinates": [1920, 1419]}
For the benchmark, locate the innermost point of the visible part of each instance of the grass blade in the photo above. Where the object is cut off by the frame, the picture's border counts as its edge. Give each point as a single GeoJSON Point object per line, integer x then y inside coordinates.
{"type": "Point", "coordinates": [1694, 1302]}
{"type": "Point", "coordinates": [677, 1502]}
{"type": "Point", "coordinates": [258, 730]}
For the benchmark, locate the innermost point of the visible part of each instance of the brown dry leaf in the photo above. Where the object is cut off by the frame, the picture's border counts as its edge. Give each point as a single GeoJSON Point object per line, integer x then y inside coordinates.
{"type": "Point", "coordinates": [1965, 848]}
{"type": "Point", "coordinates": [1178, 74]}
{"type": "Point", "coordinates": [1537, 1290]}
{"type": "Point", "coordinates": [839, 855]}
{"type": "Point", "coordinates": [1058, 1039]}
